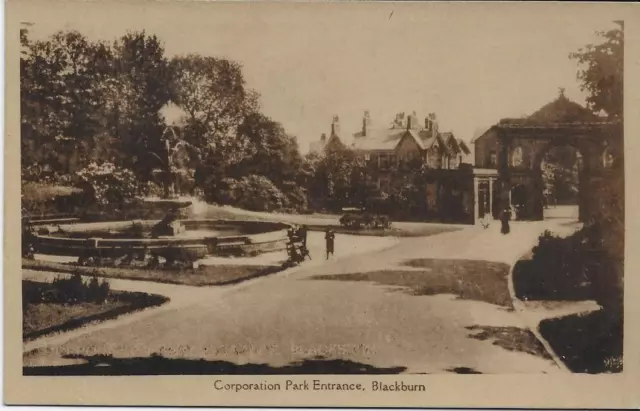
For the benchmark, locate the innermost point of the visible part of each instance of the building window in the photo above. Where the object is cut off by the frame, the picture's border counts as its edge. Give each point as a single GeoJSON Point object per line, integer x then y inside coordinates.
{"type": "Point", "coordinates": [493, 158]}
{"type": "Point", "coordinates": [607, 158]}
{"type": "Point", "coordinates": [367, 157]}
{"type": "Point", "coordinates": [433, 159]}
{"type": "Point", "coordinates": [517, 157]}
{"type": "Point", "coordinates": [384, 161]}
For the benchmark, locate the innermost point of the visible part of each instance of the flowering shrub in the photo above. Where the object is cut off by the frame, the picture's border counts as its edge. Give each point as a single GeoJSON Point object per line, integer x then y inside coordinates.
{"type": "Point", "coordinates": [43, 199]}
{"type": "Point", "coordinates": [256, 193]}
{"type": "Point", "coordinates": [296, 196]}
{"type": "Point", "coordinates": [109, 185]}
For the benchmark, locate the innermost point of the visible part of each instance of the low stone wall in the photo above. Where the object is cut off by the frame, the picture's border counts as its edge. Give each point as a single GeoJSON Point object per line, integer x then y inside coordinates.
{"type": "Point", "coordinates": [253, 240]}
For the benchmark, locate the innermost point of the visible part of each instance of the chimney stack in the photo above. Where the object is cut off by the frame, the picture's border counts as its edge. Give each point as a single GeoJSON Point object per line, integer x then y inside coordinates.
{"type": "Point", "coordinates": [431, 124]}
{"type": "Point", "coordinates": [366, 123]}
{"type": "Point", "coordinates": [323, 137]}
{"type": "Point", "coordinates": [335, 126]}
{"type": "Point", "coordinates": [412, 121]}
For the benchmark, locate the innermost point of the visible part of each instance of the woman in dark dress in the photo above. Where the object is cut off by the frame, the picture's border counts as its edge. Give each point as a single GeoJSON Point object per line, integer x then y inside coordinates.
{"type": "Point", "coordinates": [504, 219]}
{"type": "Point", "coordinates": [329, 238]}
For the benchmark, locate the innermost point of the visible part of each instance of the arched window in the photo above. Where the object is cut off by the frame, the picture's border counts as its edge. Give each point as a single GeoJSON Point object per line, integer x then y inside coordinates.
{"type": "Point", "coordinates": [516, 157]}
{"type": "Point", "coordinates": [607, 158]}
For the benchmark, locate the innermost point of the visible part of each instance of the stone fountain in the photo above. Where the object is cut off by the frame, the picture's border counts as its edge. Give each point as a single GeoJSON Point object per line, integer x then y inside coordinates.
{"type": "Point", "coordinates": [170, 203]}
{"type": "Point", "coordinates": [173, 237]}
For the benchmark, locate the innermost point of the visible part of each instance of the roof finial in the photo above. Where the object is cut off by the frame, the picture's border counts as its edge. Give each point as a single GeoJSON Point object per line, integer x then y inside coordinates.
{"type": "Point", "coordinates": [561, 91]}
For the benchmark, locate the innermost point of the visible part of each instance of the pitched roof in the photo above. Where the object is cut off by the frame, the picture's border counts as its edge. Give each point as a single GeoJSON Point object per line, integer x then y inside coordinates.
{"type": "Point", "coordinates": [464, 147]}
{"type": "Point", "coordinates": [479, 132]}
{"type": "Point", "coordinates": [387, 139]}
{"type": "Point", "coordinates": [451, 142]}
{"type": "Point", "coordinates": [560, 111]}
{"type": "Point", "coordinates": [378, 139]}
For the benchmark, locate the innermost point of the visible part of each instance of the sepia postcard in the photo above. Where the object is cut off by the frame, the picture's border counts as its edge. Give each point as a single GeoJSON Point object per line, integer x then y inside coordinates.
{"type": "Point", "coordinates": [322, 204]}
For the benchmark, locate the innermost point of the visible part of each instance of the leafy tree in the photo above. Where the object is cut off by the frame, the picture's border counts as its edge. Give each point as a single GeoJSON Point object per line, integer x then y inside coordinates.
{"type": "Point", "coordinates": [212, 93]}
{"type": "Point", "coordinates": [275, 154]}
{"type": "Point", "coordinates": [60, 102]}
{"type": "Point", "coordinates": [96, 106]}
{"type": "Point", "coordinates": [601, 72]}
{"type": "Point", "coordinates": [255, 193]}
{"type": "Point", "coordinates": [338, 169]}
{"type": "Point", "coordinates": [141, 85]}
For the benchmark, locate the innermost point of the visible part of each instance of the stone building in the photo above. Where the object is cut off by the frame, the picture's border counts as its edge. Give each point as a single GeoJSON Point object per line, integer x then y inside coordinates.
{"type": "Point", "coordinates": [515, 148]}
{"type": "Point", "coordinates": [407, 139]}
{"type": "Point", "coordinates": [506, 167]}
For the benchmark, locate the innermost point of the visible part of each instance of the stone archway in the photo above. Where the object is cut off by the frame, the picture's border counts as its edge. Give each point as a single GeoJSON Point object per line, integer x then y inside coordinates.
{"type": "Point", "coordinates": [516, 147]}
{"type": "Point", "coordinates": [522, 149]}
{"type": "Point", "coordinates": [575, 150]}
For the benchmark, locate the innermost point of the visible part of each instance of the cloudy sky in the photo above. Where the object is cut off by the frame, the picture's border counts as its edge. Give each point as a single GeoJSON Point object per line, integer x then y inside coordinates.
{"type": "Point", "coordinates": [471, 64]}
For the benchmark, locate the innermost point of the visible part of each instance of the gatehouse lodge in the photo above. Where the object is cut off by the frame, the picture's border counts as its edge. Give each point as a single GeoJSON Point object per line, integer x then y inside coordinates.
{"type": "Point", "coordinates": [505, 169]}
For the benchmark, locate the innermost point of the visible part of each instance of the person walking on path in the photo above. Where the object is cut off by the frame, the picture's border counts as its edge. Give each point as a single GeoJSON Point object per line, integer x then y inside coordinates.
{"type": "Point", "coordinates": [504, 219]}
{"type": "Point", "coordinates": [329, 237]}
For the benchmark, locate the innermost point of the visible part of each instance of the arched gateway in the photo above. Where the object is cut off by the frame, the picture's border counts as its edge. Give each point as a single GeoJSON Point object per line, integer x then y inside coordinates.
{"type": "Point", "coordinates": [516, 148]}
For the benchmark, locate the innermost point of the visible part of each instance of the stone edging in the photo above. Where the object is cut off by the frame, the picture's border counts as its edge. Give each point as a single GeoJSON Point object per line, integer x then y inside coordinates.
{"type": "Point", "coordinates": [521, 309]}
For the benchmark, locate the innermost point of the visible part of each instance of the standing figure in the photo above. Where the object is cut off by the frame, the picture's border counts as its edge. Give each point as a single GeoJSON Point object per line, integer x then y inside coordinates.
{"type": "Point", "coordinates": [504, 219]}
{"type": "Point", "coordinates": [302, 234]}
{"type": "Point", "coordinates": [291, 233]}
{"type": "Point", "coordinates": [329, 238]}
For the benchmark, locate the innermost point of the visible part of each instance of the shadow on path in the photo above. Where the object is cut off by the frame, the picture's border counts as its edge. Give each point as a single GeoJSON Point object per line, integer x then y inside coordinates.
{"type": "Point", "coordinates": [464, 370]}
{"type": "Point", "coordinates": [159, 365]}
{"type": "Point", "coordinates": [510, 338]}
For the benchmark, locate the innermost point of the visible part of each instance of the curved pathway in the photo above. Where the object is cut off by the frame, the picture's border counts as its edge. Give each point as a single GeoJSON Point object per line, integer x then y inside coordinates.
{"type": "Point", "coordinates": [283, 319]}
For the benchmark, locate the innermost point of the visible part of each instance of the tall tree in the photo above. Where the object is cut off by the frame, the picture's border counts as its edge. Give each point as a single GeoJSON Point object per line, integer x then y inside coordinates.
{"type": "Point", "coordinates": [60, 103]}
{"type": "Point", "coordinates": [275, 153]}
{"type": "Point", "coordinates": [602, 71]}
{"type": "Point", "coordinates": [213, 95]}
{"type": "Point", "coordinates": [141, 85]}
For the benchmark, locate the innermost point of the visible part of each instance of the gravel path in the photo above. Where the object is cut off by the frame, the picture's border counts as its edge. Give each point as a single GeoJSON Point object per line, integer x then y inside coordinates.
{"type": "Point", "coordinates": [286, 318]}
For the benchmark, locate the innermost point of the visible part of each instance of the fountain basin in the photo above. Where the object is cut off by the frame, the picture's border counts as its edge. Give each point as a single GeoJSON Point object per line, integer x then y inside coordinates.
{"type": "Point", "coordinates": [132, 238]}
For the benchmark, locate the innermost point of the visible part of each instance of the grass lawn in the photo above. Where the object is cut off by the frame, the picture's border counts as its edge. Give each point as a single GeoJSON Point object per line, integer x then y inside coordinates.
{"type": "Point", "coordinates": [202, 276]}
{"type": "Point", "coordinates": [468, 279]}
{"type": "Point", "coordinates": [589, 343]}
{"type": "Point", "coordinates": [44, 318]}
{"type": "Point", "coordinates": [320, 222]}
{"type": "Point", "coordinates": [418, 230]}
